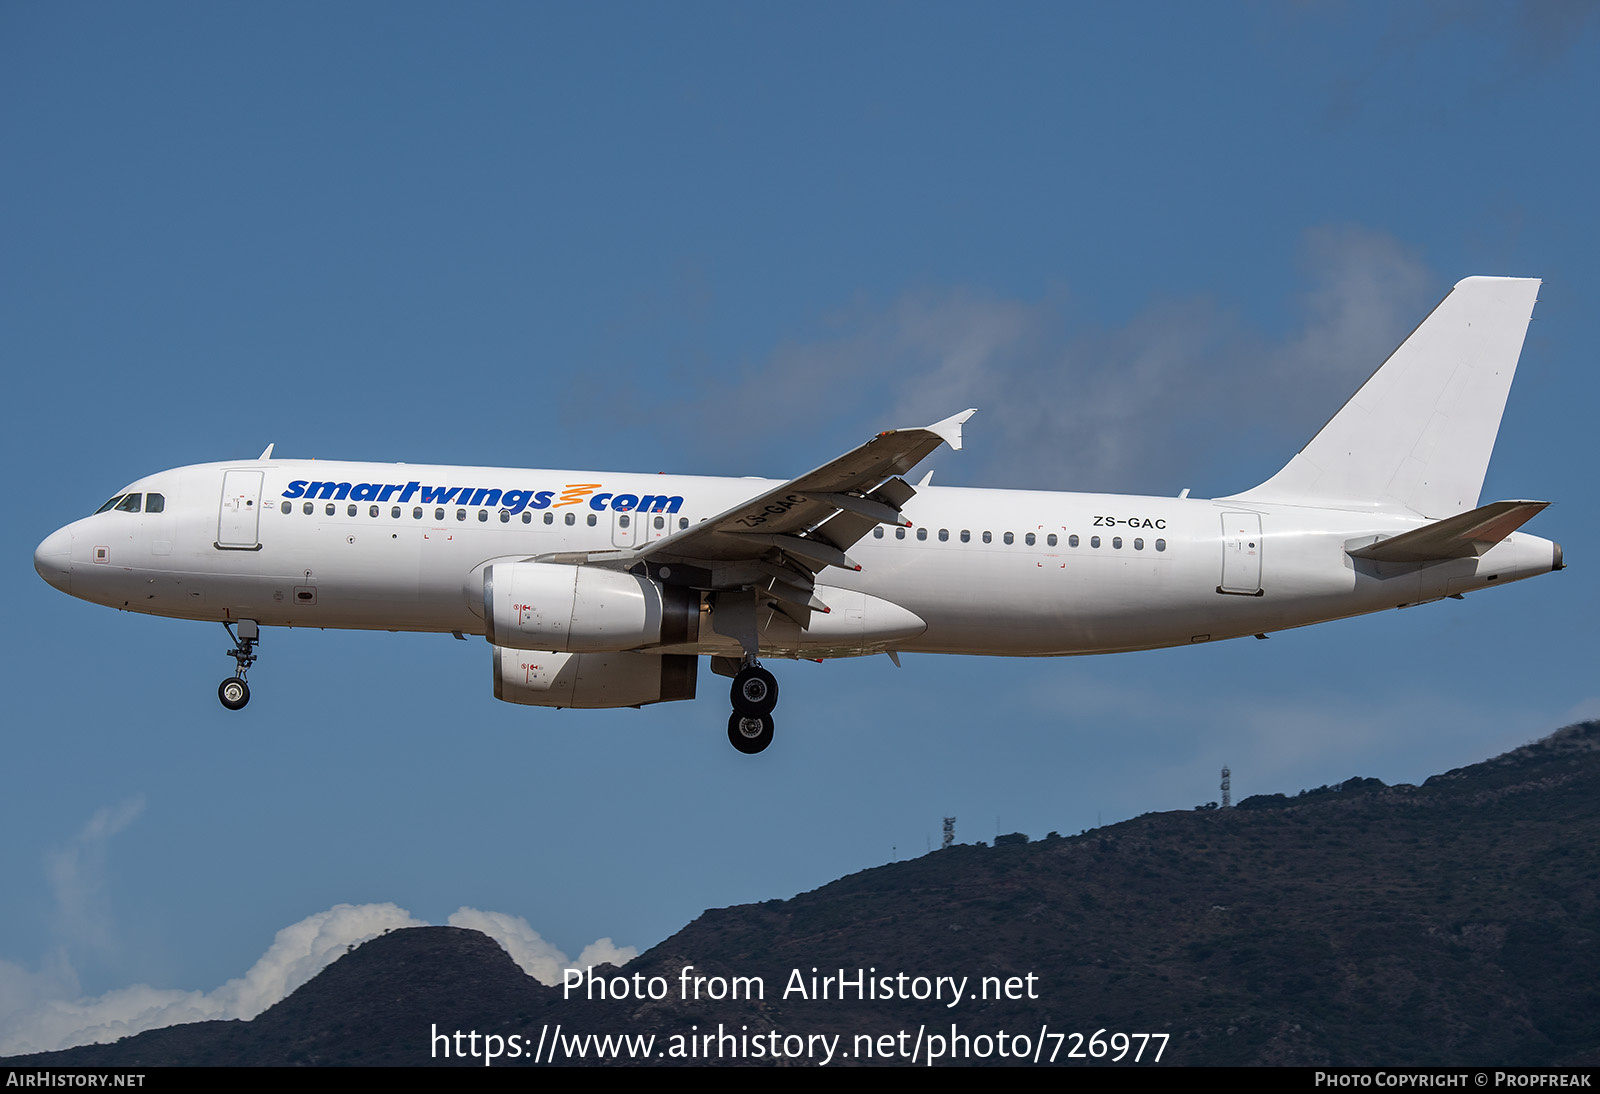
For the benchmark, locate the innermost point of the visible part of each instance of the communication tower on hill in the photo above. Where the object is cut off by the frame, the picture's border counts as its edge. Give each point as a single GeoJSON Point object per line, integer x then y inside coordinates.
{"type": "Point", "coordinates": [1227, 794]}
{"type": "Point", "coordinates": [949, 833]}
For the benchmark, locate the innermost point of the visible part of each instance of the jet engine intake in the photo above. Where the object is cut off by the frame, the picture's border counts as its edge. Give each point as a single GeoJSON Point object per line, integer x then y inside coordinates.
{"type": "Point", "coordinates": [572, 609]}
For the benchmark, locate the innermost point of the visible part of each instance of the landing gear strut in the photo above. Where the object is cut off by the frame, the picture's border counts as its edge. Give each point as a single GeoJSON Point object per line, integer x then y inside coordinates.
{"type": "Point", "coordinates": [754, 694]}
{"type": "Point", "coordinates": [233, 691]}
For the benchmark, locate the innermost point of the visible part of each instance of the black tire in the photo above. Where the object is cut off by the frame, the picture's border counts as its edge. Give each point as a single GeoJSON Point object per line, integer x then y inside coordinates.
{"type": "Point", "coordinates": [234, 693]}
{"type": "Point", "coordinates": [749, 733]}
{"type": "Point", "coordinates": [754, 691]}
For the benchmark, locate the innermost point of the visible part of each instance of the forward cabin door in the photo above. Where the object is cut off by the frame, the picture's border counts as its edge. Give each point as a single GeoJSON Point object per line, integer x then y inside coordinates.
{"type": "Point", "coordinates": [1241, 554]}
{"type": "Point", "coordinates": [238, 525]}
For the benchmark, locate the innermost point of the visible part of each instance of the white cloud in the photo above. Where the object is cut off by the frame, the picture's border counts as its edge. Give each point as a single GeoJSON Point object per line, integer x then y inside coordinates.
{"type": "Point", "coordinates": [1161, 401]}
{"type": "Point", "coordinates": [605, 952]}
{"type": "Point", "coordinates": [42, 1012]}
{"type": "Point", "coordinates": [304, 949]}
{"type": "Point", "coordinates": [536, 957]}
{"type": "Point", "coordinates": [76, 872]}
{"type": "Point", "coordinates": [39, 1011]}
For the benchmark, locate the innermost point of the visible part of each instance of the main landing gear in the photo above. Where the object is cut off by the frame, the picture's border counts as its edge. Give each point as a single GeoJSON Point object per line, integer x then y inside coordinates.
{"type": "Point", "coordinates": [233, 691]}
{"type": "Point", "coordinates": [754, 694]}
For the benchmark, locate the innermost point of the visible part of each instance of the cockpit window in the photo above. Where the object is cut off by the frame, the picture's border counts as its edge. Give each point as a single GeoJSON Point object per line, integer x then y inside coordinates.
{"type": "Point", "coordinates": [155, 503]}
{"type": "Point", "coordinates": [129, 503]}
{"type": "Point", "coordinates": [109, 504]}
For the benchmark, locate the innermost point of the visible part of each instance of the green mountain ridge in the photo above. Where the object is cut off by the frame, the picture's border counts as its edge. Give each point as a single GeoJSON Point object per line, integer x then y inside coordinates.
{"type": "Point", "coordinates": [1456, 922]}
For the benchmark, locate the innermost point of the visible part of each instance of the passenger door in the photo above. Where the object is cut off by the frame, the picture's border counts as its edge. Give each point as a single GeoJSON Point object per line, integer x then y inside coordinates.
{"type": "Point", "coordinates": [239, 522]}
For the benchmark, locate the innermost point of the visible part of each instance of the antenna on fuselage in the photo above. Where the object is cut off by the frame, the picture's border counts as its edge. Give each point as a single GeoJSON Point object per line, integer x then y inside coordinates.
{"type": "Point", "coordinates": [266, 453]}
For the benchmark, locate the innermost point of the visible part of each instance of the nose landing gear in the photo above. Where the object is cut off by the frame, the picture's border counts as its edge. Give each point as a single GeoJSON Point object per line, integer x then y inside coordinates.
{"type": "Point", "coordinates": [233, 691]}
{"type": "Point", "coordinates": [754, 695]}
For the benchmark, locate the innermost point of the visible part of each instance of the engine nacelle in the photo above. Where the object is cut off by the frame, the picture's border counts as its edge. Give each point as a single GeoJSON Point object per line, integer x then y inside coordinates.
{"type": "Point", "coordinates": [571, 609]}
{"type": "Point", "coordinates": [592, 680]}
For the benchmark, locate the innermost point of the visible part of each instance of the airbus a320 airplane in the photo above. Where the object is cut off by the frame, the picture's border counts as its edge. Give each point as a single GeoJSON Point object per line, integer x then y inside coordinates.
{"type": "Point", "coordinates": [604, 590]}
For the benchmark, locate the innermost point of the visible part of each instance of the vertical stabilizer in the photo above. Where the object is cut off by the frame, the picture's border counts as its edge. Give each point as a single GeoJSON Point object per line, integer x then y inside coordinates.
{"type": "Point", "coordinates": [1419, 433]}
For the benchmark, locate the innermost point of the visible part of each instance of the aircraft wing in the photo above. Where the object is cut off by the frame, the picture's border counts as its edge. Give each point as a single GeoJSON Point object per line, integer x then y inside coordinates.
{"type": "Point", "coordinates": [803, 509]}
{"type": "Point", "coordinates": [780, 539]}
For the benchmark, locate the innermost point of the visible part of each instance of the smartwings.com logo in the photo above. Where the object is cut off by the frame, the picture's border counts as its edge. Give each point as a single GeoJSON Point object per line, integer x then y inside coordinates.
{"type": "Point", "coordinates": [512, 501]}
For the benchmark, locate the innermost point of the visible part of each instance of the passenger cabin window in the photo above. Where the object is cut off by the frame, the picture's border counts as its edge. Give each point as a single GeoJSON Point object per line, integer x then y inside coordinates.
{"type": "Point", "coordinates": [944, 535]}
{"type": "Point", "coordinates": [372, 511]}
{"type": "Point", "coordinates": [899, 533]}
{"type": "Point", "coordinates": [1028, 539]}
{"type": "Point", "coordinates": [1094, 541]}
{"type": "Point", "coordinates": [129, 503]}
{"type": "Point", "coordinates": [1116, 542]}
{"type": "Point", "coordinates": [394, 512]}
{"type": "Point", "coordinates": [549, 518]}
{"type": "Point", "coordinates": [592, 520]}
{"type": "Point", "coordinates": [461, 514]}
{"type": "Point", "coordinates": [1072, 541]}
{"type": "Point", "coordinates": [1138, 545]}
{"type": "Point", "coordinates": [307, 508]}
{"type": "Point", "coordinates": [351, 511]}
{"type": "Point", "coordinates": [108, 505]}
{"type": "Point", "coordinates": [527, 518]}
{"type": "Point", "coordinates": [287, 507]}
{"type": "Point", "coordinates": [922, 533]}
{"type": "Point", "coordinates": [572, 518]}
{"type": "Point", "coordinates": [438, 514]}
{"type": "Point", "coordinates": [987, 538]}
{"type": "Point", "coordinates": [505, 517]}
{"type": "Point", "coordinates": [1161, 545]}
{"type": "Point", "coordinates": [622, 520]}
{"type": "Point", "coordinates": [877, 533]}
{"type": "Point", "coordinates": [1050, 539]}
{"type": "Point", "coordinates": [155, 503]}
{"type": "Point", "coordinates": [483, 516]}
{"type": "Point", "coordinates": [683, 522]}
{"type": "Point", "coordinates": [661, 522]}
{"type": "Point", "coordinates": [329, 508]}
{"type": "Point", "coordinates": [966, 535]}
{"type": "Point", "coordinates": [1009, 538]}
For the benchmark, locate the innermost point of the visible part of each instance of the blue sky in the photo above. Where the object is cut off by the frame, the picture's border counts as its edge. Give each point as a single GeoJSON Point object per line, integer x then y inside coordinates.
{"type": "Point", "coordinates": [1155, 244]}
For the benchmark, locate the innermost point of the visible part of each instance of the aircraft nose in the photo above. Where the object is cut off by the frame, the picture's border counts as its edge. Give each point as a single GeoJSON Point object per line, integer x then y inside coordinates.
{"type": "Point", "coordinates": [53, 559]}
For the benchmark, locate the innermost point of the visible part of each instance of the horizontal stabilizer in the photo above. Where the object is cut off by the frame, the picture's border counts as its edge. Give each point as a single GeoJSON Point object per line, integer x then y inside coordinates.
{"type": "Point", "coordinates": [1461, 536]}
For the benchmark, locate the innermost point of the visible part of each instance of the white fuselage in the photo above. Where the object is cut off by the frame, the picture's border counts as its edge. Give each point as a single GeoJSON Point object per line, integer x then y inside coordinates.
{"type": "Point", "coordinates": [1001, 572]}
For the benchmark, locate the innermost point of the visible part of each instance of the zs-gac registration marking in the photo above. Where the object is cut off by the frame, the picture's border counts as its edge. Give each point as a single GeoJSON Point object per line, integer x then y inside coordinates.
{"type": "Point", "coordinates": [775, 508]}
{"type": "Point", "coordinates": [1130, 522]}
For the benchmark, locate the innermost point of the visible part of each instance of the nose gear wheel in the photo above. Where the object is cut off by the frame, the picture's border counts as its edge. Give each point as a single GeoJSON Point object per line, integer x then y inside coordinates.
{"type": "Point", "coordinates": [234, 692]}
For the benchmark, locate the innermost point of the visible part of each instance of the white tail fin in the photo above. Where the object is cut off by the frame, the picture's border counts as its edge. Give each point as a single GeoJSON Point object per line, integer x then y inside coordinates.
{"type": "Point", "coordinates": [1419, 433]}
